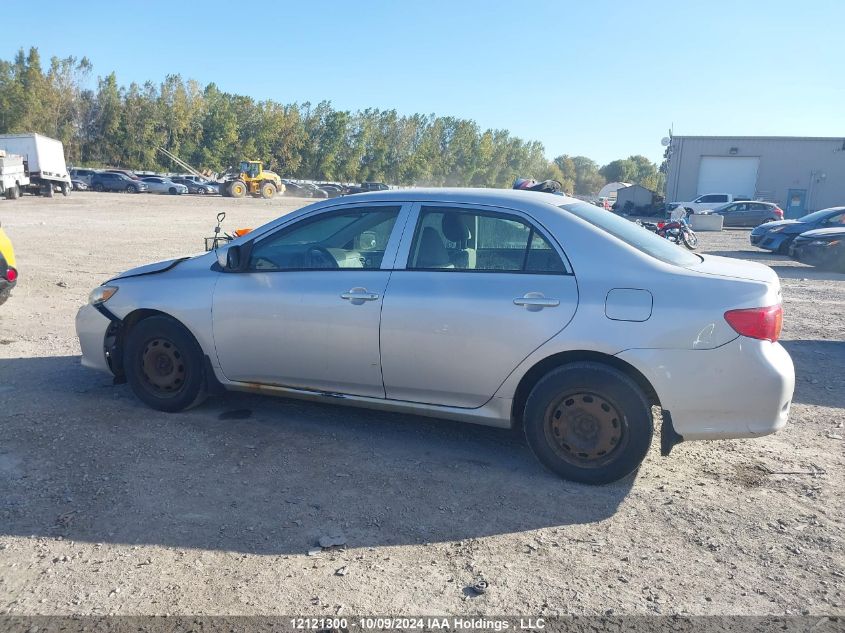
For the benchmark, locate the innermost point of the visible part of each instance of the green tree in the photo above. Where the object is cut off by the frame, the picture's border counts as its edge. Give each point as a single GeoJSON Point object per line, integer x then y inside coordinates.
{"type": "Point", "coordinates": [588, 179]}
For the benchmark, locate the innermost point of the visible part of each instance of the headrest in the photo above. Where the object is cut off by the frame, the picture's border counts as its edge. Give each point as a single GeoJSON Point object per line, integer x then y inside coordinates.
{"type": "Point", "coordinates": [453, 229]}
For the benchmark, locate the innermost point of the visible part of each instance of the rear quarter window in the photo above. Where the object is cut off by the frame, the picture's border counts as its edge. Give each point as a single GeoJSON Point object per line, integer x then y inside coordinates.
{"type": "Point", "coordinates": [636, 236]}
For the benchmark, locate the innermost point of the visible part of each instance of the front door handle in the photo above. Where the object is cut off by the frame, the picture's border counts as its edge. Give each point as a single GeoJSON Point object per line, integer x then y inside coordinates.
{"type": "Point", "coordinates": [357, 296]}
{"type": "Point", "coordinates": [534, 301]}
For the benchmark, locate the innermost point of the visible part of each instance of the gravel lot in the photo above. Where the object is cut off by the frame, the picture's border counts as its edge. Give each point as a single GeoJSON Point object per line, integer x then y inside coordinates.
{"type": "Point", "coordinates": [109, 507]}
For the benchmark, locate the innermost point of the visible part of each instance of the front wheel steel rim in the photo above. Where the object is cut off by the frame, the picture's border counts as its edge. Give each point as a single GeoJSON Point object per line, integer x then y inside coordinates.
{"type": "Point", "coordinates": [162, 366]}
{"type": "Point", "coordinates": [585, 429]}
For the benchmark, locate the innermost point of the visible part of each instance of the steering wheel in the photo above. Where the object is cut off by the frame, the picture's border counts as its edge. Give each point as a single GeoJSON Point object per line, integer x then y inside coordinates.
{"type": "Point", "coordinates": [319, 254]}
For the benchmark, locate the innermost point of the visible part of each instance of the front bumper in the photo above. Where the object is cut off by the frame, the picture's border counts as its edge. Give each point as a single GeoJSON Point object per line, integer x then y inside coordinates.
{"type": "Point", "coordinates": [769, 241]}
{"type": "Point", "coordinates": [741, 389]}
{"type": "Point", "coordinates": [91, 328]}
{"type": "Point", "coordinates": [821, 256]}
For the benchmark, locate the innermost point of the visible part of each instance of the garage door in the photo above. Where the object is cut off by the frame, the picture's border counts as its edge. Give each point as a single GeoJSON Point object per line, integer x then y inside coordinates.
{"type": "Point", "coordinates": [728, 174]}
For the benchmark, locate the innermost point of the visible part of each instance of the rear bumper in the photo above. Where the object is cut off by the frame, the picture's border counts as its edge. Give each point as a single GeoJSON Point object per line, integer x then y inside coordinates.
{"type": "Point", "coordinates": [91, 327]}
{"type": "Point", "coordinates": [741, 389]}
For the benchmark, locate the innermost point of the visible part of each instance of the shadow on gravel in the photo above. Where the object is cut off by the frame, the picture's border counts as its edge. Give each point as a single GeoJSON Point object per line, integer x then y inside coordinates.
{"type": "Point", "coordinates": [84, 460]}
{"type": "Point", "coordinates": [817, 365]}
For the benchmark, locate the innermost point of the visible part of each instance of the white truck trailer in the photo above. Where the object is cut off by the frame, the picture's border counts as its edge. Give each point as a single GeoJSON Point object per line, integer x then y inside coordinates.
{"type": "Point", "coordinates": [13, 176]}
{"type": "Point", "coordinates": [44, 162]}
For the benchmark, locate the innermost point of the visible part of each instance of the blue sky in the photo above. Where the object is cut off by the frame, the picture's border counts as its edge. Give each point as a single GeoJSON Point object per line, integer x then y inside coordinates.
{"type": "Point", "coordinates": [602, 79]}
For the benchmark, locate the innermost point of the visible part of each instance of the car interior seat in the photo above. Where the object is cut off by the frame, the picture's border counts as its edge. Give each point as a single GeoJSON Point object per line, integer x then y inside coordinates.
{"type": "Point", "coordinates": [456, 231]}
{"type": "Point", "coordinates": [432, 251]}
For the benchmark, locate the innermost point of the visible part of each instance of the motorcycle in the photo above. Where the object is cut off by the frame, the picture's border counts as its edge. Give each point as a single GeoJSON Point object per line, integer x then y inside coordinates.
{"type": "Point", "coordinates": [677, 231]}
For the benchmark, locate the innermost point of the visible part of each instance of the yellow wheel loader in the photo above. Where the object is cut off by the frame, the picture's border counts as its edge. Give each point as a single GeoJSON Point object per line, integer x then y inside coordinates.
{"type": "Point", "coordinates": [251, 178]}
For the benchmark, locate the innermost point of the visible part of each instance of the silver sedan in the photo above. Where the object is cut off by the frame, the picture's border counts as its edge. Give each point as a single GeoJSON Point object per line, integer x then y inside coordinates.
{"type": "Point", "coordinates": [505, 308]}
{"type": "Point", "coordinates": [160, 184]}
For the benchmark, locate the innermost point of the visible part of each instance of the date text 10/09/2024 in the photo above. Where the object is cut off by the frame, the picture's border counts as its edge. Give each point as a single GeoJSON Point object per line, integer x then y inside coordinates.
{"type": "Point", "coordinates": [420, 623]}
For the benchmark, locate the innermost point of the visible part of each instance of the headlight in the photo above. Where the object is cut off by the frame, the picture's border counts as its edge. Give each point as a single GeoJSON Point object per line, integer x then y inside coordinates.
{"type": "Point", "coordinates": [777, 229]}
{"type": "Point", "coordinates": [101, 294]}
{"type": "Point", "coordinates": [824, 242]}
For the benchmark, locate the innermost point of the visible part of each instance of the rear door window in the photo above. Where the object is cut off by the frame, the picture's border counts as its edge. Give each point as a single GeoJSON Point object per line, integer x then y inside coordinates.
{"type": "Point", "coordinates": [464, 240]}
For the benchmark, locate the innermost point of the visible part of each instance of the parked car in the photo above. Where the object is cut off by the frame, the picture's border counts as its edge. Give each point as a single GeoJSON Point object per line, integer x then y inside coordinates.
{"type": "Point", "coordinates": [116, 181]}
{"type": "Point", "coordinates": [748, 213]}
{"type": "Point", "coordinates": [196, 186]}
{"type": "Point", "coordinates": [332, 190]}
{"type": "Point", "coordinates": [374, 186]}
{"type": "Point", "coordinates": [82, 175]}
{"type": "Point", "coordinates": [777, 236]}
{"type": "Point", "coordinates": [316, 192]}
{"type": "Point", "coordinates": [706, 202]}
{"type": "Point", "coordinates": [368, 186]}
{"type": "Point", "coordinates": [160, 184]}
{"type": "Point", "coordinates": [824, 248]}
{"type": "Point", "coordinates": [506, 308]}
{"type": "Point", "coordinates": [129, 174]}
{"type": "Point", "coordinates": [8, 267]}
{"type": "Point", "coordinates": [199, 180]}
{"type": "Point", "coordinates": [297, 190]}
{"type": "Point", "coordinates": [79, 185]}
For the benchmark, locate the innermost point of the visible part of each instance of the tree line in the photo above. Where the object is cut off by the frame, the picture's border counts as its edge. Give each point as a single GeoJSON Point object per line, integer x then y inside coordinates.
{"type": "Point", "coordinates": [121, 126]}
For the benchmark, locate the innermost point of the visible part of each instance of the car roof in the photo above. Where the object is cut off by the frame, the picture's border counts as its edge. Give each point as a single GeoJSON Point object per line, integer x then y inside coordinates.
{"type": "Point", "coordinates": [730, 204]}
{"type": "Point", "coordinates": [505, 197]}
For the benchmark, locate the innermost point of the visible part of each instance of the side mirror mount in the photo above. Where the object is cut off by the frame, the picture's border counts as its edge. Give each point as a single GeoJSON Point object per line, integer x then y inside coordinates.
{"type": "Point", "coordinates": [233, 258]}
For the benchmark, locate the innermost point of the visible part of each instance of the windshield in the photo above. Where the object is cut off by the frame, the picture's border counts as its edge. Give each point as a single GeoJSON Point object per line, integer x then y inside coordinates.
{"type": "Point", "coordinates": [640, 238]}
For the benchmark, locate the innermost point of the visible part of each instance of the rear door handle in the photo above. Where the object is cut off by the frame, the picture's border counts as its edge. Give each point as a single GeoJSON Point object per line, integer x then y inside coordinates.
{"type": "Point", "coordinates": [534, 301]}
{"type": "Point", "coordinates": [357, 296]}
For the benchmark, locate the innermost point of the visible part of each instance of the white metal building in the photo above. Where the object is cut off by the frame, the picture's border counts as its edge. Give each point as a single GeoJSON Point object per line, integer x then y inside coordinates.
{"type": "Point", "coordinates": [800, 174]}
{"type": "Point", "coordinates": [610, 189]}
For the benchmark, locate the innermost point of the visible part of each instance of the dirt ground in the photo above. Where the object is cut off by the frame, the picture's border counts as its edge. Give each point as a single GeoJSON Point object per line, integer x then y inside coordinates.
{"type": "Point", "coordinates": [109, 507]}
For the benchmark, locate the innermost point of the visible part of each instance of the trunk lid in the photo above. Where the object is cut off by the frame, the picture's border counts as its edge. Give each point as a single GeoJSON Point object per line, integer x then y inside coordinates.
{"type": "Point", "coordinates": [736, 269]}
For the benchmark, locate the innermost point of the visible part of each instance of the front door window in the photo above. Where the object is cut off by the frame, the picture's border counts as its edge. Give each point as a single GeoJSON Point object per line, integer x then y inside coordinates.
{"type": "Point", "coordinates": [353, 239]}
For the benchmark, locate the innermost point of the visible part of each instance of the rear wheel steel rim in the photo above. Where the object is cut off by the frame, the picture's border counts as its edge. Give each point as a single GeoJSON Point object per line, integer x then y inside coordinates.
{"type": "Point", "coordinates": [585, 429]}
{"type": "Point", "coordinates": [163, 366]}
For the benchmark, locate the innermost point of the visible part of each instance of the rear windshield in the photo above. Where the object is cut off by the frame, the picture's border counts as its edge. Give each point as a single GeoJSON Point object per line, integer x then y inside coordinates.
{"type": "Point", "coordinates": [640, 238]}
{"type": "Point", "coordinates": [815, 217]}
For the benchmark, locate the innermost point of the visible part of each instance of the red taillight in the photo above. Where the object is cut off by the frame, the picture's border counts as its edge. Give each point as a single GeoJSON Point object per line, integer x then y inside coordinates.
{"type": "Point", "coordinates": [11, 274]}
{"type": "Point", "coordinates": [761, 323]}
{"type": "Point", "coordinates": [779, 211]}
{"type": "Point", "coordinates": [660, 225]}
